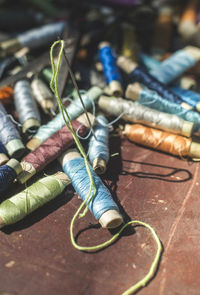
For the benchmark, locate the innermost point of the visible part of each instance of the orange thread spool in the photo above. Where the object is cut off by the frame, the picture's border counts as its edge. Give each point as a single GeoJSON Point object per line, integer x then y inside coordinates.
{"type": "Point", "coordinates": [6, 94]}
{"type": "Point", "coordinates": [159, 140]}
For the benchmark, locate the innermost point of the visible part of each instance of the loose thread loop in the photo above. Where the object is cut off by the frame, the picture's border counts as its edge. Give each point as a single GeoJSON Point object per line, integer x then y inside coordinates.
{"type": "Point", "coordinates": [153, 268]}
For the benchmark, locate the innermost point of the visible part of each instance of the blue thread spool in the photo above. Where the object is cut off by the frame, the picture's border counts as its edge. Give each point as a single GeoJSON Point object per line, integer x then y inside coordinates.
{"type": "Point", "coordinates": [102, 206]}
{"type": "Point", "coordinates": [3, 154]}
{"type": "Point", "coordinates": [149, 62]}
{"type": "Point", "coordinates": [74, 110]}
{"type": "Point", "coordinates": [111, 71]}
{"type": "Point", "coordinates": [141, 76]}
{"type": "Point", "coordinates": [98, 148]}
{"type": "Point", "coordinates": [8, 173]}
{"type": "Point", "coordinates": [154, 101]}
{"type": "Point", "coordinates": [177, 64]}
{"type": "Point", "coordinates": [9, 135]}
{"type": "Point", "coordinates": [33, 38]}
{"type": "Point", "coordinates": [26, 107]}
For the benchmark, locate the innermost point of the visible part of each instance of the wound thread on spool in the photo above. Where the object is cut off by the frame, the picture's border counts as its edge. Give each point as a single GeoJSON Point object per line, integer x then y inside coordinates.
{"type": "Point", "coordinates": [51, 149]}
{"type": "Point", "coordinates": [190, 97]}
{"type": "Point", "coordinates": [6, 94]}
{"type": "Point", "coordinates": [43, 95]}
{"type": "Point", "coordinates": [26, 107]}
{"type": "Point", "coordinates": [176, 64]}
{"type": "Point", "coordinates": [9, 135]}
{"type": "Point", "coordinates": [33, 38]}
{"type": "Point", "coordinates": [33, 197]}
{"type": "Point", "coordinates": [102, 205]}
{"type": "Point", "coordinates": [140, 75]}
{"type": "Point", "coordinates": [98, 147]}
{"type": "Point", "coordinates": [3, 154]}
{"type": "Point", "coordinates": [111, 71]}
{"type": "Point", "coordinates": [138, 113]}
{"type": "Point", "coordinates": [74, 110]}
{"type": "Point", "coordinates": [153, 100]}
{"type": "Point", "coordinates": [162, 141]}
{"type": "Point", "coordinates": [8, 173]}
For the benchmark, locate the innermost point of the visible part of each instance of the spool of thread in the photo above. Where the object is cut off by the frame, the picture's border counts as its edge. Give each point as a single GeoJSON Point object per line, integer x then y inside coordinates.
{"type": "Point", "coordinates": [74, 110]}
{"type": "Point", "coordinates": [33, 197]}
{"type": "Point", "coordinates": [153, 100]}
{"type": "Point", "coordinates": [98, 147]}
{"type": "Point", "coordinates": [188, 82]}
{"type": "Point", "coordinates": [8, 173]}
{"type": "Point", "coordinates": [176, 64]}
{"type": "Point", "coordinates": [33, 38]}
{"type": "Point", "coordinates": [52, 148]}
{"type": "Point", "coordinates": [139, 75]}
{"type": "Point", "coordinates": [148, 62]}
{"type": "Point", "coordinates": [163, 30]}
{"type": "Point", "coordinates": [187, 25]}
{"type": "Point", "coordinates": [9, 135]}
{"type": "Point", "coordinates": [26, 107]}
{"type": "Point", "coordinates": [129, 43]}
{"type": "Point", "coordinates": [111, 71]}
{"type": "Point", "coordinates": [43, 95]}
{"type": "Point", "coordinates": [3, 154]}
{"type": "Point", "coordinates": [102, 206]}
{"type": "Point", "coordinates": [137, 113]}
{"type": "Point", "coordinates": [162, 141]}
{"type": "Point", "coordinates": [190, 97]}
{"type": "Point", "coordinates": [6, 94]}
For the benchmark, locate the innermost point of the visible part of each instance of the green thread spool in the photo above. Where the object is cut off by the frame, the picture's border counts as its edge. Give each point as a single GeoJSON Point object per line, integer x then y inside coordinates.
{"type": "Point", "coordinates": [35, 196]}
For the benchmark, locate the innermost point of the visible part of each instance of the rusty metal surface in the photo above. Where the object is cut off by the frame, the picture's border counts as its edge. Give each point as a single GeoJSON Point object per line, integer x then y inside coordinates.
{"type": "Point", "coordinates": [36, 255]}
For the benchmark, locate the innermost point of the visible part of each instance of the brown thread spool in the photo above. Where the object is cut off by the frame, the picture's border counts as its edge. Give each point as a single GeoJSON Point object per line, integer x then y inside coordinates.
{"type": "Point", "coordinates": [6, 94]}
{"type": "Point", "coordinates": [162, 141]}
{"type": "Point", "coordinates": [187, 26]}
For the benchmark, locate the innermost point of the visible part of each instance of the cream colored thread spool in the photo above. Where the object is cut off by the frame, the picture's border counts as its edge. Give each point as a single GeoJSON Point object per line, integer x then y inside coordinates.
{"type": "Point", "coordinates": [9, 46]}
{"type": "Point", "coordinates": [188, 82]}
{"type": "Point", "coordinates": [43, 95]}
{"type": "Point", "coordinates": [117, 106]}
{"type": "Point", "coordinates": [35, 142]}
{"type": "Point", "coordinates": [114, 86]}
{"type": "Point", "coordinates": [110, 218]}
{"type": "Point", "coordinates": [14, 164]}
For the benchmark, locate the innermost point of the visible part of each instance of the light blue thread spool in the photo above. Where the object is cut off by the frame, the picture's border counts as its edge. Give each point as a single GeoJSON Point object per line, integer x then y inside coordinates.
{"type": "Point", "coordinates": [42, 35]}
{"type": "Point", "coordinates": [102, 205]}
{"type": "Point", "coordinates": [111, 70]}
{"type": "Point", "coordinates": [26, 107]}
{"type": "Point", "coordinates": [9, 135]}
{"type": "Point", "coordinates": [190, 97]}
{"type": "Point", "coordinates": [149, 62]}
{"type": "Point", "coordinates": [154, 101]}
{"type": "Point", "coordinates": [74, 110]}
{"type": "Point", "coordinates": [174, 66]}
{"type": "Point", "coordinates": [98, 148]}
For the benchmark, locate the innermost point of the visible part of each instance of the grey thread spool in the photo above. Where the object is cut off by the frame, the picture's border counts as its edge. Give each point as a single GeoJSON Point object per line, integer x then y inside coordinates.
{"type": "Point", "coordinates": [43, 95]}
{"type": "Point", "coordinates": [135, 112]}
{"type": "Point", "coordinates": [26, 107]}
{"type": "Point", "coordinates": [9, 135]}
{"type": "Point", "coordinates": [33, 38]}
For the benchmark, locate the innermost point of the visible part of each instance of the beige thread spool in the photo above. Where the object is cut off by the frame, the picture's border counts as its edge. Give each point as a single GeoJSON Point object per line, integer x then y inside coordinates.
{"type": "Point", "coordinates": [137, 113]}
{"type": "Point", "coordinates": [110, 218]}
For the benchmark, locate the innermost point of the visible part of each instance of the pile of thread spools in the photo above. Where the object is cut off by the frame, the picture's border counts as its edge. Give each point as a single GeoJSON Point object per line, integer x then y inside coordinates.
{"type": "Point", "coordinates": [138, 67]}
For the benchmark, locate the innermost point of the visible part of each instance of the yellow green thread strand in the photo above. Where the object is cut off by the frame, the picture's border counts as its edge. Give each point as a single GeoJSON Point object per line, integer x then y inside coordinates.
{"type": "Point", "coordinates": [153, 268]}
{"type": "Point", "coordinates": [54, 88]}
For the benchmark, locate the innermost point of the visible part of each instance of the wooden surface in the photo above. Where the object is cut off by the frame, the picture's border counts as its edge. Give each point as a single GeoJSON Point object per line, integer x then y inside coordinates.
{"type": "Point", "coordinates": [36, 255]}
